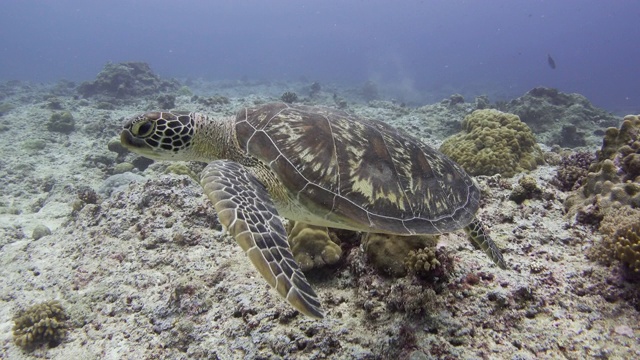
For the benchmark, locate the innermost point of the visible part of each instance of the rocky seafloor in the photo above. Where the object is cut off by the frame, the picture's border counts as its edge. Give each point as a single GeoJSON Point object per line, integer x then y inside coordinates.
{"type": "Point", "coordinates": [139, 263]}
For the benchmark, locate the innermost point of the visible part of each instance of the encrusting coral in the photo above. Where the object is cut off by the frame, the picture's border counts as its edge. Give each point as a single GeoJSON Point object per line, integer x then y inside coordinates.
{"type": "Point", "coordinates": [494, 142]}
{"type": "Point", "coordinates": [44, 322]}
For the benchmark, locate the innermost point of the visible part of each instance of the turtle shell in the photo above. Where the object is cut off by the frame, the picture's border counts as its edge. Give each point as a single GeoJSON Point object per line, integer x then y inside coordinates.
{"type": "Point", "coordinates": [358, 174]}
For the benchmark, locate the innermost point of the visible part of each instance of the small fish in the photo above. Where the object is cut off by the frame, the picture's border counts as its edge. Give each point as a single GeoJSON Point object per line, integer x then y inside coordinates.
{"type": "Point", "coordinates": [551, 62]}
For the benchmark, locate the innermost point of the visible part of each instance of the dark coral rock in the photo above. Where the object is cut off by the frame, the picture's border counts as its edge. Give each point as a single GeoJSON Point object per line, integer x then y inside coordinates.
{"type": "Point", "coordinates": [482, 102]}
{"type": "Point", "coordinates": [127, 79]}
{"type": "Point", "coordinates": [456, 99]}
{"type": "Point", "coordinates": [54, 103]}
{"type": "Point", "coordinates": [570, 136]}
{"type": "Point", "coordinates": [369, 91]}
{"type": "Point", "coordinates": [62, 122]}
{"type": "Point", "coordinates": [212, 101]}
{"type": "Point", "coordinates": [166, 101]}
{"type": "Point", "coordinates": [289, 97]}
{"type": "Point", "coordinates": [526, 189]}
{"type": "Point", "coordinates": [547, 111]}
{"type": "Point", "coordinates": [315, 89]}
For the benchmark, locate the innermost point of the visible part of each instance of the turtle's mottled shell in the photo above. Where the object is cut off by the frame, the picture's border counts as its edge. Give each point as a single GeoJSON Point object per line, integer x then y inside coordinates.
{"type": "Point", "coordinates": [356, 173]}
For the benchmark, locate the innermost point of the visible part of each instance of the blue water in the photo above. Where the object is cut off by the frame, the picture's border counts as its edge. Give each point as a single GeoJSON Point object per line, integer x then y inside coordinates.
{"type": "Point", "coordinates": [411, 48]}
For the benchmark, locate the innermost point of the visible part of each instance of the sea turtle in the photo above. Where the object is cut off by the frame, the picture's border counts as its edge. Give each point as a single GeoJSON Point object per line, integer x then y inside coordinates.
{"type": "Point", "coordinates": [314, 165]}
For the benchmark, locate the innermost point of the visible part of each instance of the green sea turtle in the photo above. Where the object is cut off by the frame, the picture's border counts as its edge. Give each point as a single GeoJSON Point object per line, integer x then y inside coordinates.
{"type": "Point", "coordinates": [314, 165]}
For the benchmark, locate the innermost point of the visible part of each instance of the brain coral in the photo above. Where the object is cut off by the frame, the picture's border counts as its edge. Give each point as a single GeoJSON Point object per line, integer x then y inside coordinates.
{"type": "Point", "coordinates": [614, 179]}
{"type": "Point", "coordinates": [493, 142]}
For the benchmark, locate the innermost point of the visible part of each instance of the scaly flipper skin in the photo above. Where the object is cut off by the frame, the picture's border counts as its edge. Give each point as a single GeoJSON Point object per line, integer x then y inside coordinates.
{"type": "Point", "coordinates": [481, 239]}
{"type": "Point", "coordinates": [247, 212]}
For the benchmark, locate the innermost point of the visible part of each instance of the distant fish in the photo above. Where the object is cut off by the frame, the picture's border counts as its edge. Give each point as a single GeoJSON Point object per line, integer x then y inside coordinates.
{"type": "Point", "coordinates": [551, 62]}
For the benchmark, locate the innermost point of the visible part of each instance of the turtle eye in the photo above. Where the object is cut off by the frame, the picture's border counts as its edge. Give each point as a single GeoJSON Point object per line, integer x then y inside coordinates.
{"type": "Point", "coordinates": [143, 129]}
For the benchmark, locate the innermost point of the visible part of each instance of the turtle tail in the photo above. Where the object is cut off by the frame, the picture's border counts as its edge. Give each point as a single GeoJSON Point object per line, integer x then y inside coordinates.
{"type": "Point", "coordinates": [480, 239]}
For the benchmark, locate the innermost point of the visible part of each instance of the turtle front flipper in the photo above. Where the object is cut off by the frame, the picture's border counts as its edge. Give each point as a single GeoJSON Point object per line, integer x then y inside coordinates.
{"type": "Point", "coordinates": [481, 239]}
{"type": "Point", "coordinates": [247, 212]}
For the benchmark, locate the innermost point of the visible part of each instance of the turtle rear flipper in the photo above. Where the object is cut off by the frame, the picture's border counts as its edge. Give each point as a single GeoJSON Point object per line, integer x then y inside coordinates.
{"type": "Point", "coordinates": [247, 212]}
{"type": "Point", "coordinates": [480, 239]}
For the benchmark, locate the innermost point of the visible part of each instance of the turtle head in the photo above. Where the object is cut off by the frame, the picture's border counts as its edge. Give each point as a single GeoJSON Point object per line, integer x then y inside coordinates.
{"type": "Point", "coordinates": [160, 135]}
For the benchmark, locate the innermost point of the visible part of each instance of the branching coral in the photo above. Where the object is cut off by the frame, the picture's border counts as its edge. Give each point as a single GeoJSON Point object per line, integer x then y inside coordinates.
{"type": "Point", "coordinates": [421, 261]}
{"type": "Point", "coordinates": [493, 142]}
{"type": "Point", "coordinates": [44, 322]}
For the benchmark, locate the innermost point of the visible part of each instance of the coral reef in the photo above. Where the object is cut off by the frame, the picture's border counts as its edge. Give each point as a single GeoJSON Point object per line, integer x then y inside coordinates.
{"type": "Point", "coordinates": [388, 253]}
{"type": "Point", "coordinates": [127, 79]}
{"type": "Point", "coordinates": [312, 246]}
{"type": "Point", "coordinates": [613, 180]}
{"type": "Point", "coordinates": [148, 272]}
{"type": "Point", "coordinates": [289, 97]}
{"type": "Point", "coordinates": [493, 142]}
{"type": "Point", "coordinates": [555, 117]}
{"type": "Point", "coordinates": [62, 122]}
{"type": "Point", "coordinates": [44, 322]}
